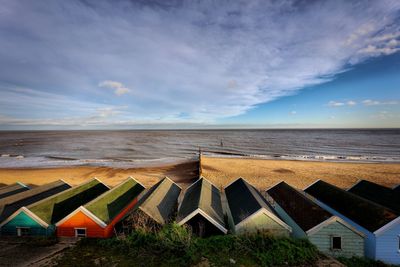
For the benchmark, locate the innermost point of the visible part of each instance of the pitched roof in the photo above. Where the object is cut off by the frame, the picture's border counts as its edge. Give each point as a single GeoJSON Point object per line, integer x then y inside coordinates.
{"type": "Point", "coordinates": [245, 200]}
{"type": "Point", "coordinates": [110, 204]}
{"type": "Point", "coordinates": [160, 201]}
{"type": "Point", "coordinates": [366, 213]}
{"type": "Point", "coordinates": [11, 204]}
{"type": "Point", "coordinates": [56, 207]}
{"type": "Point", "coordinates": [9, 190]}
{"type": "Point", "coordinates": [300, 208]}
{"type": "Point", "coordinates": [378, 194]}
{"type": "Point", "coordinates": [396, 188]}
{"type": "Point", "coordinates": [202, 195]}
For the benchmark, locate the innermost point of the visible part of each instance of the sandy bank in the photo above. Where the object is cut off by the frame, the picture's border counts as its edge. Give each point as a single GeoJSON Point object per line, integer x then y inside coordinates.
{"type": "Point", "coordinates": [265, 173]}
{"type": "Point", "coordinates": [182, 173]}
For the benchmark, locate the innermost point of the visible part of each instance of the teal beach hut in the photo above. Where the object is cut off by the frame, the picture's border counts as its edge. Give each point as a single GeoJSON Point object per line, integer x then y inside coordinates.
{"type": "Point", "coordinates": [39, 218]}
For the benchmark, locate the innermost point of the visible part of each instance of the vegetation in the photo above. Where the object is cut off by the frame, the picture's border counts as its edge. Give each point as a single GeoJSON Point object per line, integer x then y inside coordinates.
{"type": "Point", "coordinates": [363, 262]}
{"type": "Point", "coordinates": [174, 245]}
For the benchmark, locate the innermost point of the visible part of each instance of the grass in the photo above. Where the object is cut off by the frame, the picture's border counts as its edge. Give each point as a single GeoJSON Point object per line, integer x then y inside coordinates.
{"type": "Point", "coordinates": [363, 262]}
{"type": "Point", "coordinates": [174, 245]}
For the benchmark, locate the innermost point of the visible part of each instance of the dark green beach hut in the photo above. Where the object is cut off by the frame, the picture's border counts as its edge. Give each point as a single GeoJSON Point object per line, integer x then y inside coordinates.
{"type": "Point", "coordinates": [10, 190]}
{"type": "Point", "coordinates": [156, 207]}
{"type": "Point", "coordinates": [39, 218]}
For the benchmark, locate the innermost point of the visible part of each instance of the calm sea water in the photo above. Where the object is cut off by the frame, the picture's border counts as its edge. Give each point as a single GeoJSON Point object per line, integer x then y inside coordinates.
{"type": "Point", "coordinates": [139, 148]}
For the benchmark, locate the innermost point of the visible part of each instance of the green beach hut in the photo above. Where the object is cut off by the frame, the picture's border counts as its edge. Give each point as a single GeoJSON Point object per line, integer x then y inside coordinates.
{"type": "Point", "coordinates": [39, 218]}
{"type": "Point", "coordinates": [249, 212]}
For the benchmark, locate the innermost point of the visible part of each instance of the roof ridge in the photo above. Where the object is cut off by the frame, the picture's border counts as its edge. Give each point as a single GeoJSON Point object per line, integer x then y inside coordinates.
{"type": "Point", "coordinates": [111, 190]}
{"type": "Point", "coordinates": [32, 192]}
{"type": "Point", "coordinates": [364, 199]}
{"type": "Point", "coordinates": [256, 195]}
{"type": "Point", "coordinates": [151, 195]}
{"type": "Point", "coordinates": [60, 193]}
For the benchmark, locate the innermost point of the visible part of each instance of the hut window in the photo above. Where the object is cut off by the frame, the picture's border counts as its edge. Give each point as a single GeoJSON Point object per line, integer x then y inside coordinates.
{"type": "Point", "coordinates": [80, 232]}
{"type": "Point", "coordinates": [23, 231]}
{"type": "Point", "coordinates": [336, 242]}
{"type": "Point", "coordinates": [398, 243]}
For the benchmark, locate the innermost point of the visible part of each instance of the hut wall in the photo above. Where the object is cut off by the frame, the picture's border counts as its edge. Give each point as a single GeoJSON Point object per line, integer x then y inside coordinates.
{"type": "Point", "coordinates": [352, 243]}
{"type": "Point", "coordinates": [80, 220]}
{"type": "Point", "coordinates": [23, 220]}
{"type": "Point", "coordinates": [388, 245]}
{"type": "Point", "coordinates": [262, 223]}
{"type": "Point", "coordinates": [369, 239]}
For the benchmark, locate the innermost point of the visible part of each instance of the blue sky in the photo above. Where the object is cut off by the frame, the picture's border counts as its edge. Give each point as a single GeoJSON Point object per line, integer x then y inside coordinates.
{"type": "Point", "coordinates": [199, 64]}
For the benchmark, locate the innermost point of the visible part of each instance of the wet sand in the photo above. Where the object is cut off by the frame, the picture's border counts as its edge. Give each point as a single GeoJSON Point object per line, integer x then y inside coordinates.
{"type": "Point", "coordinates": [265, 173]}
{"type": "Point", "coordinates": [182, 173]}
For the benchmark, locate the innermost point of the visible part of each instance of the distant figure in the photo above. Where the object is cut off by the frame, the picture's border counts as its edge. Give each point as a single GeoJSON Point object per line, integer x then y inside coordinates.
{"type": "Point", "coordinates": [222, 143]}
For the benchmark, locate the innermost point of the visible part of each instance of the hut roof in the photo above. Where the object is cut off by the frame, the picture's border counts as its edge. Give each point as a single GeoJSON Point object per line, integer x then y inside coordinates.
{"type": "Point", "coordinates": [110, 204]}
{"type": "Point", "coordinates": [12, 203]}
{"type": "Point", "coordinates": [159, 202]}
{"type": "Point", "coordinates": [56, 207]}
{"type": "Point", "coordinates": [396, 188]}
{"type": "Point", "coordinates": [378, 194]}
{"type": "Point", "coordinates": [9, 190]}
{"type": "Point", "coordinates": [244, 200]}
{"type": "Point", "coordinates": [202, 195]}
{"type": "Point", "coordinates": [366, 213]}
{"type": "Point", "coordinates": [306, 213]}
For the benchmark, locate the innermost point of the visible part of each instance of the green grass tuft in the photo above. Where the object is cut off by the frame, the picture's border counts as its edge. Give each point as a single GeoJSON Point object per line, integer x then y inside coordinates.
{"type": "Point", "coordinates": [174, 245]}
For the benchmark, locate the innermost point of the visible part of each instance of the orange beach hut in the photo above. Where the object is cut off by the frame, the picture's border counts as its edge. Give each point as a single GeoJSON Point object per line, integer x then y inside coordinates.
{"type": "Point", "coordinates": [98, 217]}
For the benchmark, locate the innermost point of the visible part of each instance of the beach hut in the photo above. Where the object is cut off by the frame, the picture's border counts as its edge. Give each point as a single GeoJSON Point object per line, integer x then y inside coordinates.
{"type": "Point", "coordinates": [396, 188]}
{"type": "Point", "coordinates": [378, 194]}
{"type": "Point", "coordinates": [157, 206]}
{"type": "Point", "coordinates": [250, 212]}
{"type": "Point", "coordinates": [11, 204]}
{"type": "Point", "coordinates": [10, 190]}
{"type": "Point", "coordinates": [380, 225]}
{"type": "Point", "coordinates": [98, 217]}
{"type": "Point", "coordinates": [40, 217]}
{"type": "Point", "coordinates": [201, 209]}
{"type": "Point", "coordinates": [329, 233]}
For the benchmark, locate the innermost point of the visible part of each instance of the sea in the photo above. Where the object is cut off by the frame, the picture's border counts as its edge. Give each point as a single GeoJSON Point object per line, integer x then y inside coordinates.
{"type": "Point", "coordinates": [143, 148]}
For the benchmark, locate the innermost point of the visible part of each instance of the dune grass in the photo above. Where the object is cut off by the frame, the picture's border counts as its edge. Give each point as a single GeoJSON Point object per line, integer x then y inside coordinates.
{"type": "Point", "coordinates": [174, 245]}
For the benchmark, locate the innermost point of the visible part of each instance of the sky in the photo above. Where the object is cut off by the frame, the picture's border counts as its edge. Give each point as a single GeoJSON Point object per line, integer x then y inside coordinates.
{"type": "Point", "coordinates": [199, 64]}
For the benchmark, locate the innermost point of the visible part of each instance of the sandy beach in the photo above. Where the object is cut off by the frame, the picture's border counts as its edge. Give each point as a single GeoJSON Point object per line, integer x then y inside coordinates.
{"type": "Point", "coordinates": [265, 173]}
{"type": "Point", "coordinates": [182, 173]}
{"type": "Point", "coordinates": [221, 171]}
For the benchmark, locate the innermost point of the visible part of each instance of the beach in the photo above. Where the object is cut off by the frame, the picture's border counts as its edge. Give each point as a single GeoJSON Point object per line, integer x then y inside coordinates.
{"type": "Point", "coordinates": [262, 173]}
{"type": "Point", "coordinates": [182, 173]}
{"type": "Point", "coordinates": [265, 173]}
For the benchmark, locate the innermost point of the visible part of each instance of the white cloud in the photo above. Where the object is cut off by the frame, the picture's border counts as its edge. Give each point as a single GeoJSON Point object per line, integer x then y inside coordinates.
{"type": "Point", "coordinates": [119, 88]}
{"type": "Point", "coordinates": [209, 60]}
{"type": "Point", "coordinates": [335, 104]}
{"type": "Point", "coordinates": [351, 103]}
{"type": "Point", "coordinates": [293, 112]}
{"type": "Point", "coordinates": [369, 102]}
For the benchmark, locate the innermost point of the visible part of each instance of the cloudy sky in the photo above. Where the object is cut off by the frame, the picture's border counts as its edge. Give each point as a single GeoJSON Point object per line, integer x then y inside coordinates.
{"type": "Point", "coordinates": [194, 64]}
